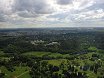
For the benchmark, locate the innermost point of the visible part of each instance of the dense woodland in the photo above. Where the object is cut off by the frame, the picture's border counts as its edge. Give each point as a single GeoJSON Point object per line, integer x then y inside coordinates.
{"type": "Point", "coordinates": [84, 47]}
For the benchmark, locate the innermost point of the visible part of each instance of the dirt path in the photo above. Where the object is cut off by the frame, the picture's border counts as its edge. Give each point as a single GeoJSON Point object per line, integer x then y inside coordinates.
{"type": "Point", "coordinates": [22, 74]}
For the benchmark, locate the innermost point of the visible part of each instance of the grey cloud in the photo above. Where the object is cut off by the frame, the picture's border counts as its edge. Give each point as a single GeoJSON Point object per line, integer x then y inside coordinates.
{"type": "Point", "coordinates": [2, 18]}
{"type": "Point", "coordinates": [96, 6]}
{"type": "Point", "coordinates": [64, 2]}
{"type": "Point", "coordinates": [32, 7]}
{"type": "Point", "coordinates": [27, 14]}
{"type": "Point", "coordinates": [59, 16]}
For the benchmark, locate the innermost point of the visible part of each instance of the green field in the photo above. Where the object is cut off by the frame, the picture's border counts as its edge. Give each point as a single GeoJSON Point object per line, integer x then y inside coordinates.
{"type": "Point", "coordinates": [20, 72]}
{"type": "Point", "coordinates": [49, 54]}
{"type": "Point", "coordinates": [37, 54]}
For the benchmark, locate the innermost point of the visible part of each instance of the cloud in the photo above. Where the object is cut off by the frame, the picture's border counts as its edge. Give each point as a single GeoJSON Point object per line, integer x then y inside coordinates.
{"type": "Point", "coordinates": [97, 6]}
{"type": "Point", "coordinates": [32, 8]}
{"type": "Point", "coordinates": [27, 14]}
{"type": "Point", "coordinates": [64, 2]}
{"type": "Point", "coordinates": [2, 18]}
{"type": "Point", "coordinates": [51, 12]}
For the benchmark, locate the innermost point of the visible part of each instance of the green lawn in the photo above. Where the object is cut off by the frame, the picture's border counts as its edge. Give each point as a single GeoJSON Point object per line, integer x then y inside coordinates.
{"type": "Point", "coordinates": [50, 54]}
{"type": "Point", "coordinates": [55, 55]}
{"type": "Point", "coordinates": [38, 54]}
{"type": "Point", "coordinates": [17, 72]}
{"type": "Point", "coordinates": [57, 62]}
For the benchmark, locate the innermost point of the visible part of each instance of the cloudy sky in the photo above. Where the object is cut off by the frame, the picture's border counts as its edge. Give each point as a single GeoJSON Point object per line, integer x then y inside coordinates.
{"type": "Point", "coordinates": [51, 13]}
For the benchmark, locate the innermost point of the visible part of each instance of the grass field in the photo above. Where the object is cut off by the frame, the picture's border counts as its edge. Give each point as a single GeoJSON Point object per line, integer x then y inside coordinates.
{"type": "Point", "coordinates": [57, 62]}
{"type": "Point", "coordinates": [50, 54]}
{"type": "Point", "coordinates": [17, 72]}
{"type": "Point", "coordinates": [37, 54]}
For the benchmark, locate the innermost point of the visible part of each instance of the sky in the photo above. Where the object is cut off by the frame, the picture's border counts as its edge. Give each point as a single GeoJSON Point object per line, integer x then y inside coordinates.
{"type": "Point", "coordinates": [51, 13]}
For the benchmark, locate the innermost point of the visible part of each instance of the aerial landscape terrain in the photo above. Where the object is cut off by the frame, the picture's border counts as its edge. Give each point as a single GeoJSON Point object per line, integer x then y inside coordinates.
{"type": "Point", "coordinates": [51, 38]}
{"type": "Point", "coordinates": [52, 53]}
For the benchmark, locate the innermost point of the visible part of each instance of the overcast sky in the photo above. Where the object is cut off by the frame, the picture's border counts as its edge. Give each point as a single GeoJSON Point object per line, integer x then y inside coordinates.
{"type": "Point", "coordinates": [51, 13]}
